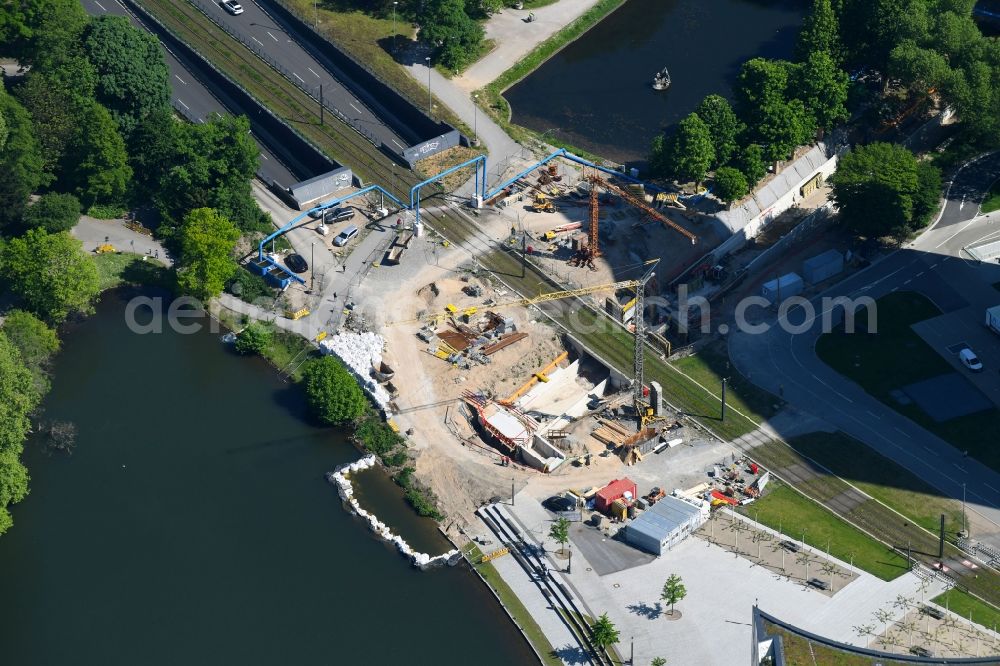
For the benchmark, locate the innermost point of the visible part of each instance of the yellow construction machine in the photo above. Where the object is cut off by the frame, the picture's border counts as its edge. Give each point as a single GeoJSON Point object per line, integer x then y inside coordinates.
{"type": "Point", "coordinates": [543, 204]}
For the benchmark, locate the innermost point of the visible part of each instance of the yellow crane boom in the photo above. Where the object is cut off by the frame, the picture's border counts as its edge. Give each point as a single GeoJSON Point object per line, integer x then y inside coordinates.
{"type": "Point", "coordinates": [645, 207]}
{"type": "Point", "coordinates": [524, 302]}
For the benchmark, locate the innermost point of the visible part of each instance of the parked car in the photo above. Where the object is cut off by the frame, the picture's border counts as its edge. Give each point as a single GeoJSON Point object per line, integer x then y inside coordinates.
{"type": "Point", "coordinates": [970, 360]}
{"type": "Point", "coordinates": [297, 263]}
{"type": "Point", "coordinates": [232, 7]}
{"type": "Point", "coordinates": [337, 215]}
{"type": "Point", "coordinates": [345, 236]}
{"type": "Point", "coordinates": [559, 504]}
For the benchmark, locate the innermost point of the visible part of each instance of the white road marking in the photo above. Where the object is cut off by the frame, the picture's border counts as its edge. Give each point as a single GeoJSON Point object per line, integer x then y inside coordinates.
{"type": "Point", "coordinates": [960, 468]}
{"type": "Point", "coordinates": [256, 40]}
{"type": "Point", "coordinates": [265, 156]}
{"type": "Point", "coordinates": [181, 102]}
{"type": "Point", "coordinates": [314, 73]}
{"type": "Point", "coordinates": [270, 35]}
{"type": "Point", "coordinates": [991, 488]}
{"type": "Point", "coordinates": [930, 450]}
{"type": "Point", "coordinates": [908, 281]}
{"type": "Point", "coordinates": [354, 107]}
{"type": "Point", "coordinates": [401, 146]}
{"type": "Point", "coordinates": [100, 5]}
{"type": "Point", "coordinates": [955, 234]}
{"type": "Point", "coordinates": [874, 415]}
{"type": "Point", "coordinates": [901, 432]}
{"type": "Point", "coordinates": [298, 77]}
{"type": "Point", "coordinates": [919, 274]}
{"type": "Point", "coordinates": [180, 79]}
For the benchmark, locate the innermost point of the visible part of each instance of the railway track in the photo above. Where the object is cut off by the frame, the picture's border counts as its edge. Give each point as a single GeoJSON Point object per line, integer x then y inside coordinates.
{"type": "Point", "coordinates": [285, 99]}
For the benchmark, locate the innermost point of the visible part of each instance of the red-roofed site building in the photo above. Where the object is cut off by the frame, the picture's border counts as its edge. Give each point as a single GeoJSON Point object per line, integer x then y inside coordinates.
{"type": "Point", "coordinates": [614, 490]}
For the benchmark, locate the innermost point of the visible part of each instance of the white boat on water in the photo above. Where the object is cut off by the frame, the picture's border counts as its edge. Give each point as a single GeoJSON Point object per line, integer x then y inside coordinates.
{"type": "Point", "coordinates": [661, 80]}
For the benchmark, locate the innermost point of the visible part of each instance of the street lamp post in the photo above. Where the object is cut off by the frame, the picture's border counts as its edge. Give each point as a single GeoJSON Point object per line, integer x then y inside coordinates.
{"type": "Point", "coordinates": [312, 267]}
{"type": "Point", "coordinates": [475, 118]}
{"type": "Point", "coordinates": [428, 61]}
{"type": "Point", "coordinates": [963, 510]}
{"type": "Point", "coordinates": [394, 26]}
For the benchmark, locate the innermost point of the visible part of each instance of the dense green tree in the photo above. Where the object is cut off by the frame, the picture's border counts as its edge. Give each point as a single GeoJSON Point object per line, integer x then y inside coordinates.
{"type": "Point", "coordinates": [927, 198]}
{"type": "Point", "coordinates": [53, 212]}
{"type": "Point", "coordinates": [3, 133]}
{"type": "Point", "coordinates": [750, 162]}
{"type": "Point", "coordinates": [206, 263]}
{"type": "Point", "coordinates": [35, 342]}
{"type": "Point", "coordinates": [957, 37]}
{"type": "Point", "coordinates": [132, 76]}
{"type": "Point", "coordinates": [785, 126]}
{"type": "Point", "coordinates": [30, 29]}
{"type": "Point", "coordinates": [690, 152]}
{"type": "Point", "coordinates": [13, 486]}
{"type": "Point", "coordinates": [56, 98]}
{"type": "Point", "coordinates": [673, 591]}
{"type": "Point", "coordinates": [881, 190]}
{"type": "Point", "coordinates": [730, 184]}
{"type": "Point", "coordinates": [774, 119]}
{"type": "Point", "coordinates": [723, 126]}
{"type": "Point", "coordinates": [253, 339]}
{"type": "Point", "coordinates": [212, 166]}
{"type": "Point", "coordinates": [96, 164]}
{"type": "Point", "coordinates": [604, 633]}
{"type": "Point", "coordinates": [448, 28]}
{"type": "Point", "coordinates": [50, 273]}
{"type": "Point", "coordinates": [657, 160]}
{"type": "Point", "coordinates": [870, 29]}
{"type": "Point", "coordinates": [822, 87]}
{"type": "Point", "coordinates": [18, 397]}
{"type": "Point", "coordinates": [333, 395]}
{"type": "Point", "coordinates": [918, 67]}
{"type": "Point", "coordinates": [20, 161]}
{"type": "Point", "coordinates": [559, 532]}
{"type": "Point", "coordinates": [761, 84]}
{"type": "Point", "coordinates": [975, 92]}
{"type": "Point", "coordinates": [152, 149]}
{"type": "Point", "coordinates": [820, 32]}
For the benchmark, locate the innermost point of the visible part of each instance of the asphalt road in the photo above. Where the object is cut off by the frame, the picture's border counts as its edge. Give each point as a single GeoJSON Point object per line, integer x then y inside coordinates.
{"type": "Point", "coordinates": [193, 99]}
{"type": "Point", "coordinates": [785, 362]}
{"type": "Point", "coordinates": [265, 35]}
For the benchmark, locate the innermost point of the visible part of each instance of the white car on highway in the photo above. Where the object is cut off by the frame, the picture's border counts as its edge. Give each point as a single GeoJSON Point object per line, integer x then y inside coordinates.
{"type": "Point", "coordinates": [232, 7]}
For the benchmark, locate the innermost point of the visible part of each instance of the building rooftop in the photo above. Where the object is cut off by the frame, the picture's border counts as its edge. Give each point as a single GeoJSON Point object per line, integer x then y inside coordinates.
{"type": "Point", "coordinates": [664, 517]}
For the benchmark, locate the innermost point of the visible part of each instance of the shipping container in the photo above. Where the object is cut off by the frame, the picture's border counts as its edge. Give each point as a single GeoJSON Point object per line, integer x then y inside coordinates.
{"type": "Point", "coordinates": [786, 286]}
{"type": "Point", "coordinates": [823, 266]}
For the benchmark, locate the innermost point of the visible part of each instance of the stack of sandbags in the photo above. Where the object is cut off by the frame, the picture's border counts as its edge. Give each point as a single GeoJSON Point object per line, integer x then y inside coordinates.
{"type": "Point", "coordinates": [359, 352]}
{"type": "Point", "coordinates": [339, 477]}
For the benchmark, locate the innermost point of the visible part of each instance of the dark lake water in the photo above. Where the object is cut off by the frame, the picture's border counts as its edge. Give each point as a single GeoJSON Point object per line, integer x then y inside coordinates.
{"type": "Point", "coordinates": [597, 91]}
{"type": "Point", "coordinates": [193, 525]}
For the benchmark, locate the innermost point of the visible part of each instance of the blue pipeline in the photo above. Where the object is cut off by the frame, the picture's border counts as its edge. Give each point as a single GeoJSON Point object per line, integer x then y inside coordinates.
{"type": "Point", "coordinates": [562, 152]}
{"type": "Point", "coordinates": [323, 206]}
{"type": "Point", "coordinates": [480, 188]}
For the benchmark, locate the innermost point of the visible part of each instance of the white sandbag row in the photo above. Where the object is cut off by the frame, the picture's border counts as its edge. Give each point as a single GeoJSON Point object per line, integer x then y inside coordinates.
{"type": "Point", "coordinates": [339, 477]}
{"type": "Point", "coordinates": [359, 352]}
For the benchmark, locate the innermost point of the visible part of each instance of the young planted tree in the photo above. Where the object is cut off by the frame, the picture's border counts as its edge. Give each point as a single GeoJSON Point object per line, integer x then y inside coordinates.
{"type": "Point", "coordinates": [559, 532]}
{"type": "Point", "coordinates": [604, 633]}
{"type": "Point", "coordinates": [332, 394]}
{"type": "Point", "coordinates": [673, 591]}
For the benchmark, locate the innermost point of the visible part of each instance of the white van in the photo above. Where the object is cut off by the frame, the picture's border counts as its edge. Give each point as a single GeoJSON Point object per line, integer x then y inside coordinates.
{"type": "Point", "coordinates": [345, 236]}
{"type": "Point", "coordinates": [970, 360]}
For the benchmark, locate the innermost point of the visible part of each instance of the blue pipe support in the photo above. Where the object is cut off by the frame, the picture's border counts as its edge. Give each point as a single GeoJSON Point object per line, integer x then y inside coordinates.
{"type": "Point", "coordinates": [480, 185]}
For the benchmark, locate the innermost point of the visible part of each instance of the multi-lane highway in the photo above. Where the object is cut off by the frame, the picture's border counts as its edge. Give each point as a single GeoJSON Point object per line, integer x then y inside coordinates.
{"type": "Point", "coordinates": [264, 35]}
{"type": "Point", "coordinates": [786, 363]}
{"type": "Point", "coordinates": [194, 100]}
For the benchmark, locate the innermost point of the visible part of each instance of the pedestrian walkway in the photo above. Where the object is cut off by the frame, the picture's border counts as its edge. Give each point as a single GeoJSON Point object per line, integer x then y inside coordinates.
{"type": "Point", "coordinates": [93, 233]}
